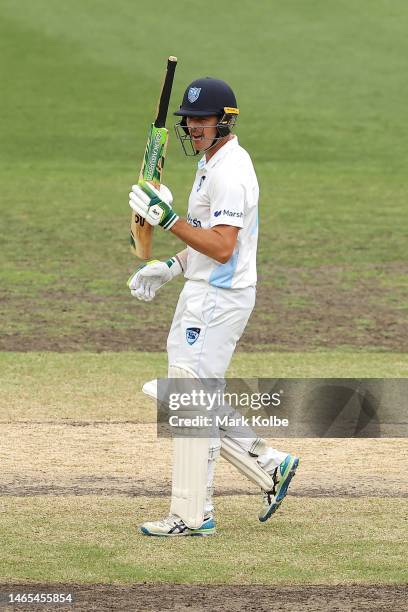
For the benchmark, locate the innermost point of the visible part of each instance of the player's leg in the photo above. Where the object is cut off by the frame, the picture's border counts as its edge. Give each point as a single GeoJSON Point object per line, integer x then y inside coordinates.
{"type": "Point", "coordinates": [270, 469]}
{"type": "Point", "coordinates": [206, 327]}
{"type": "Point", "coordinates": [218, 317]}
{"type": "Point", "coordinates": [221, 316]}
{"type": "Point", "coordinates": [193, 457]}
{"type": "Point", "coordinates": [202, 339]}
{"type": "Point", "coordinates": [191, 510]}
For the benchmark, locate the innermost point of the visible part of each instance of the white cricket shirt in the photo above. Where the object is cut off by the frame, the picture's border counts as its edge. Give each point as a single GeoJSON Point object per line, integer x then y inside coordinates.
{"type": "Point", "coordinates": [226, 192]}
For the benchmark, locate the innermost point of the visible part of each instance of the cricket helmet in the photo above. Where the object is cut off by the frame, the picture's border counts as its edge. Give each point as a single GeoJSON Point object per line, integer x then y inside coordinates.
{"type": "Point", "coordinates": [203, 98]}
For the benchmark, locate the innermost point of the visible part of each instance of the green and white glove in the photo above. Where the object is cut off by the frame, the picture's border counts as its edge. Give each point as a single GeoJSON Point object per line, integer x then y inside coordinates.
{"type": "Point", "coordinates": [152, 204]}
{"type": "Point", "coordinates": [149, 277]}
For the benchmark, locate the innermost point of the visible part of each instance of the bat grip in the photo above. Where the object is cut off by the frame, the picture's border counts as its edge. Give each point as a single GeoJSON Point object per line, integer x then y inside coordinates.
{"type": "Point", "coordinates": [166, 92]}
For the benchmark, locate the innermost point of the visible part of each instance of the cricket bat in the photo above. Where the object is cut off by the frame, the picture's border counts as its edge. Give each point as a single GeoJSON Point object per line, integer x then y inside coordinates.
{"type": "Point", "coordinates": [141, 232]}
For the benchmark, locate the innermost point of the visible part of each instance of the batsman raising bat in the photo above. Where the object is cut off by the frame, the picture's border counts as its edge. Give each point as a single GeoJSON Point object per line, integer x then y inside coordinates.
{"type": "Point", "coordinates": [219, 264]}
{"type": "Point", "coordinates": [141, 233]}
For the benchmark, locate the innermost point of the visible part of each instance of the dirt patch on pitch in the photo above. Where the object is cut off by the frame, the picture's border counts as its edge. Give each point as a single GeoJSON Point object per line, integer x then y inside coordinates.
{"type": "Point", "coordinates": [297, 309]}
{"type": "Point", "coordinates": [214, 598]}
{"type": "Point", "coordinates": [110, 459]}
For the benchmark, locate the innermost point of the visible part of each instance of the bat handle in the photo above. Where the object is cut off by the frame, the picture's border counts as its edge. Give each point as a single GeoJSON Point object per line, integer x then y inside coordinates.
{"type": "Point", "coordinates": [166, 92]}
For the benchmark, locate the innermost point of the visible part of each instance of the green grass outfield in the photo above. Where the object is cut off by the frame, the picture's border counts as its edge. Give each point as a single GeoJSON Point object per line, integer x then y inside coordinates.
{"type": "Point", "coordinates": [95, 539]}
{"type": "Point", "coordinates": [322, 90]}
{"type": "Point", "coordinates": [107, 386]}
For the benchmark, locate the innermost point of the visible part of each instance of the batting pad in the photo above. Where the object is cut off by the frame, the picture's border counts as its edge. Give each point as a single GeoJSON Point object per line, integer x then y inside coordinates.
{"type": "Point", "coordinates": [189, 484]}
{"type": "Point", "coordinates": [199, 447]}
{"type": "Point", "coordinates": [190, 461]}
{"type": "Point", "coordinates": [247, 465]}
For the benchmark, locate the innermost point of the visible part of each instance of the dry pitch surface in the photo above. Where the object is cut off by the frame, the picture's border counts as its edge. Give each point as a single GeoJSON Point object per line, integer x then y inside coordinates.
{"type": "Point", "coordinates": [85, 458]}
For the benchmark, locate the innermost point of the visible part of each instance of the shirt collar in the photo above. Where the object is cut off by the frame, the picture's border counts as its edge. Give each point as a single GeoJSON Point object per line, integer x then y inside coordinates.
{"type": "Point", "coordinates": [220, 154]}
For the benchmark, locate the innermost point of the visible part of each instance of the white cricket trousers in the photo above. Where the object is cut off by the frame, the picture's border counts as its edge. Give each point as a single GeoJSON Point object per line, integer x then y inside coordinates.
{"type": "Point", "coordinates": [206, 327]}
{"type": "Point", "coordinates": [207, 324]}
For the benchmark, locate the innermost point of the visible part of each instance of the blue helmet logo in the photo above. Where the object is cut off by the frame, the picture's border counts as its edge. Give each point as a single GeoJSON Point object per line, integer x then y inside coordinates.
{"type": "Point", "coordinates": [193, 94]}
{"type": "Point", "coordinates": [192, 334]}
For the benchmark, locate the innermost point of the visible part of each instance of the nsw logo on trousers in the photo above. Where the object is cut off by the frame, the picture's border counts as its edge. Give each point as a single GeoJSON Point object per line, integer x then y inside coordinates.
{"type": "Point", "coordinates": [192, 334]}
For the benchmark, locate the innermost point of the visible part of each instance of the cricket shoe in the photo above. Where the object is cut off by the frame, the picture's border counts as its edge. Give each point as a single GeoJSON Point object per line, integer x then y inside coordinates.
{"type": "Point", "coordinates": [282, 476]}
{"type": "Point", "coordinates": [175, 526]}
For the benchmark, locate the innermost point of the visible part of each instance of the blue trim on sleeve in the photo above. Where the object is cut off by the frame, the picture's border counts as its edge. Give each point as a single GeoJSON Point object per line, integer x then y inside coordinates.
{"type": "Point", "coordinates": [255, 226]}
{"type": "Point", "coordinates": [223, 274]}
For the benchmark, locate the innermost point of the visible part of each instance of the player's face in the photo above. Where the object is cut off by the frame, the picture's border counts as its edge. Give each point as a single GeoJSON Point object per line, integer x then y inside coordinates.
{"type": "Point", "coordinates": [202, 131]}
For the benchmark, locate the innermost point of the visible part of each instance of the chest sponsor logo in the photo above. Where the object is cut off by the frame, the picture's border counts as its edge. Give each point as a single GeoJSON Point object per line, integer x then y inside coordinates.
{"type": "Point", "coordinates": [192, 334]}
{"type": "Point", "coordinates": [229, 213]}
{"type": "Point", "coordinates": [193, 220]}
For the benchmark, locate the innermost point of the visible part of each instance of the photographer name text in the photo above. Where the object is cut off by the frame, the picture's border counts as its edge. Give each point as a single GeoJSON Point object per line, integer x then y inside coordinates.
{"type": "Point", "coordinates": [227, 421]}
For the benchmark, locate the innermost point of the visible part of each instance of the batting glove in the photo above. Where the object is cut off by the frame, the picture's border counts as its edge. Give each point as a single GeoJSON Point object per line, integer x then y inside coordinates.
{"type": "Point", "coordinates": [149, 277]}
{"type": "Point", "coordinates": [153, 205]}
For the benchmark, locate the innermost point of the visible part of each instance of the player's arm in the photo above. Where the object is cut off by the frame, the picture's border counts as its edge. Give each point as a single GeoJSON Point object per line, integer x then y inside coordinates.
{"type": "Point", "coordinates": [216, 242]}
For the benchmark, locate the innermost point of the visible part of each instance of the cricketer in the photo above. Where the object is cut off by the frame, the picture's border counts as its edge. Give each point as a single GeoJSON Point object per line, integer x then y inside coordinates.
{"type": "Point", "coordinates": [219, 264]}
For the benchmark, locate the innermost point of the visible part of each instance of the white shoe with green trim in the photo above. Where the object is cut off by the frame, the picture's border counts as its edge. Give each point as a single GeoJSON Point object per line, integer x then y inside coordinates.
{"type": "Point", "coordinates": [282, 476]}
{"type": "Point", "coordinates": [174, 526]}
